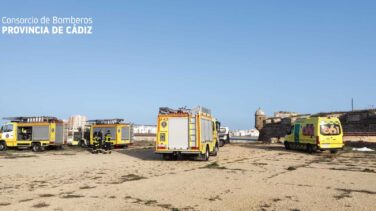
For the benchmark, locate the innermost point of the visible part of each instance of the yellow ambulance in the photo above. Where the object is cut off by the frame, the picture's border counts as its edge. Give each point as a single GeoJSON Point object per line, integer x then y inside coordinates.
{"type": "Point", "coordinates": [187, 132]}
{"type": "Point", "coordinates": [315, 133]}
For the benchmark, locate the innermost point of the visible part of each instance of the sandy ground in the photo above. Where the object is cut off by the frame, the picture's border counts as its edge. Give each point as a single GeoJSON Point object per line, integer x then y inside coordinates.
{"type": "Point", "coordinates": [241, 177]}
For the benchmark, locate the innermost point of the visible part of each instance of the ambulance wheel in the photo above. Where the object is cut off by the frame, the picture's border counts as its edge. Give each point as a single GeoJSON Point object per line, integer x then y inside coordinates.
{"type": "Point", "coordinates": [36, 147]}
{"type": "Point", "coordinates": [3, 146]}
{"type": "Point", "coordinates": [333, 151]}
{"type": "Point", "coordinates": [309, 148]}
{"type": "Point", "coordinates": [287, 145]}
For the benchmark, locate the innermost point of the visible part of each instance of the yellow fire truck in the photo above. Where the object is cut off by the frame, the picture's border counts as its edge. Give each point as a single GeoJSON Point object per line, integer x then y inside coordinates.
{"type": "Point", "coordinates": [36, 133]}
{"type": "Point", "coordinates": [187, 132]}
{"type": "Point", "coordinates": [120, 133]}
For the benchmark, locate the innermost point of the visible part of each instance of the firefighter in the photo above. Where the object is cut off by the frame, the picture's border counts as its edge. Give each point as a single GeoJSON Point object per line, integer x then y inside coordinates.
{"type": "Point", "coordinates": [107, 140]}
{"type": "Point", "coordinates": [100, 138]}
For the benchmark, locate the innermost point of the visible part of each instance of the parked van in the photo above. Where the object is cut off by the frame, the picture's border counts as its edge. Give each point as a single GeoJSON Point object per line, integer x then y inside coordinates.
{"type": "Point", "coordinates": [224, 136]}
{"type": "Point", "coordinates": [315, 133]}
{"type": "Point", "coordinates": [187, 132]}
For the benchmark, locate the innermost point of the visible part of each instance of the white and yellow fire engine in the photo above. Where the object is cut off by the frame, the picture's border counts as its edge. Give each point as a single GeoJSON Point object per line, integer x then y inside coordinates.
{"type": "Point", "coordinates": [31, 132]}
{"type": "Point", "coordinates": [187, 132]}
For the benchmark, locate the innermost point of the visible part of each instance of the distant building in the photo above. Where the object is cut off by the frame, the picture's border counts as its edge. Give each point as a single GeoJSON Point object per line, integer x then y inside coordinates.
{"type": "Point", "coordinates": [76, 121]}
{"type": "Point", "coordinates": [145, 129]}
{"type": "Point", "coordinates": [259, 119]}
{"type": "Point", "coordinates": [241, 133]}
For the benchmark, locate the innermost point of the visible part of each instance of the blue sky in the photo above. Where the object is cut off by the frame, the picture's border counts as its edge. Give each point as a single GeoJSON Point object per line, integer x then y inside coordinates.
{"type": "Point", "coordinates": [230, 56]}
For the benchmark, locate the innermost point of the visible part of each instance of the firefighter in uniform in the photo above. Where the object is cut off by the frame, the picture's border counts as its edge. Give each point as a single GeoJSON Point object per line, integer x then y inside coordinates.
{"type": "Point", "coordinates": [107, 140]}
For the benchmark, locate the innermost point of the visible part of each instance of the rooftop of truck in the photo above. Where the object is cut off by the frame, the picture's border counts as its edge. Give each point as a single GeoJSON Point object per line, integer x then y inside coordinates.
{"type": "Point", "coordinates": [107, 122]}
{"type": "Point", "coordinates": [33, 119]}
{"type": "Point", "coordinates": [166, 111]}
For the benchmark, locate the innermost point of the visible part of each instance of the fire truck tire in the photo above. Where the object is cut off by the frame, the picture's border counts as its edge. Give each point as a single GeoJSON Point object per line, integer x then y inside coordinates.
{"type": "Point", "coordinates": [206, 155]}
{"type": "Point", "coordinates": [82, 144]}
{"type": "Point", "coordinates": [167, 156]}
{"type": "Point", "coordinates": [215, 150]}
{"type": "Point", "coordinates": [36, 147]}
{"type": "Point", "coordinates": [3, 146]}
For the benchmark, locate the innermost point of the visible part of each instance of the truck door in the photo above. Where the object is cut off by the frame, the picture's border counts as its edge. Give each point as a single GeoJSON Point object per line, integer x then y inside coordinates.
{"type": "Point", "coordinates": [178, 133]}
{"type": "Point", "coordinates": [9, 134]}
{"type": "Point", "coordinates": [296, 133]}
{"type": "Point", "coordinates": [59, 134]}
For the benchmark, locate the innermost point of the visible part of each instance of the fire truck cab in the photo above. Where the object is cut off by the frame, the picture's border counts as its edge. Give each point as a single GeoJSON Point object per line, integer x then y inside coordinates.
{"type": "Point", "coordinates": [31, 132]}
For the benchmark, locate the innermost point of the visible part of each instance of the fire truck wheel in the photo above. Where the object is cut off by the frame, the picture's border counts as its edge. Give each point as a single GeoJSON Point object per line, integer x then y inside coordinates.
{"type": "Point", "coordinates": [36, 147]}
{"type": "Point", "coordinates": [206, 155]}
{"type": "Point", "coordinates": [167, 157]}
{"type": "Point", "coordinates": [215, 150]}
{"type": "Point", "coordinates": [3, 146]}
{"type": "Point", "coordinates": [82, 144]}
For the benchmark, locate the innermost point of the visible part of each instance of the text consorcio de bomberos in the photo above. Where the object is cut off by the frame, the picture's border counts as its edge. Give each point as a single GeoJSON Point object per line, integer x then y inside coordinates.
{"type": "Point", "coordinates": [33, 25]}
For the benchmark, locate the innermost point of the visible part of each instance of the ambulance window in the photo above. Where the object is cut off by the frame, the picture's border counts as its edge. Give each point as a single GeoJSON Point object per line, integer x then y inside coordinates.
{"type": "Point", "coordinates": [330, 129]}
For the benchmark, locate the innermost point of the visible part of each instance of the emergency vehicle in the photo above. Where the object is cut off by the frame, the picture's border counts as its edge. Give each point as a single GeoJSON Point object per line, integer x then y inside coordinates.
{"type": "Point", "coordinates": [315, 133]}
{"type": "Point", "coordinates": [121, 134]}
{"type": "Point", "coordinates": [187, 132]}
{"type": "Point", "coordinates": [36, 133]}
{"type": "Point", "coordinates": [224, 136]}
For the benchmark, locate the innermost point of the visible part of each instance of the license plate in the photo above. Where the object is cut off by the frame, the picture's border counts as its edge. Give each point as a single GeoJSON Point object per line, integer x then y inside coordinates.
{"type": "Point", "coordinates": [325, 145]}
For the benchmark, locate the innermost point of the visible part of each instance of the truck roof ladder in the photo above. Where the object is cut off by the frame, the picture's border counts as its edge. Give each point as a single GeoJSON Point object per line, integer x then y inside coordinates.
{"type": "Point", "coordinates": [106, 121]}
{"type": "Point", "coordinates": [33, 119]}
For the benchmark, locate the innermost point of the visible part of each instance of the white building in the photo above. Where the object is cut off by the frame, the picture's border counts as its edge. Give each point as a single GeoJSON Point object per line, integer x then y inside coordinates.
{"type": "Point", "coordinates": [145, 129]}
{"type": "Point", "coordinates": [251, 132]}
{"type": "Point", "coordinates": [76, 121]}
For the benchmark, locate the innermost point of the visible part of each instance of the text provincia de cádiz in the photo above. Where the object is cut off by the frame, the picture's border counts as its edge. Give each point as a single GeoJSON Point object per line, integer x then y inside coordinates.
{"type": "Point", "coordinates": [39, 25]}
{"type": "Point", "coordinates": [46, 30]}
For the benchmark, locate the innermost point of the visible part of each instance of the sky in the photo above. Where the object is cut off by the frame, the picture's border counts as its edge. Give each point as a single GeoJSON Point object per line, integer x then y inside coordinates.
{"type": "Point", "coordinates": [230, 56]}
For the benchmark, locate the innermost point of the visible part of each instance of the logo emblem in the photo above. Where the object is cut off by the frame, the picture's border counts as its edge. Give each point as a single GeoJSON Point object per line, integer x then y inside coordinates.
{"type": "Point", "coordinates": [164, 124]}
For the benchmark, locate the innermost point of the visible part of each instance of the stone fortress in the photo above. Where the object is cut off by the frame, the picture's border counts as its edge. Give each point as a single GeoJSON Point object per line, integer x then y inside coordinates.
{"type": "Point", "coordinates": [358, 125]}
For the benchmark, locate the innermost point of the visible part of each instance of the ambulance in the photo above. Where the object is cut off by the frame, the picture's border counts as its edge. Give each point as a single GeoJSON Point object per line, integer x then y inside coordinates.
{"type": "Point", "coordinates": [36, 133]}
{"type": "Point", "coordinates": [121, 134]}
{"type": "Point", "coordinates": [315, 133]}
{"type": "Point", "coordinates": [187, 132]}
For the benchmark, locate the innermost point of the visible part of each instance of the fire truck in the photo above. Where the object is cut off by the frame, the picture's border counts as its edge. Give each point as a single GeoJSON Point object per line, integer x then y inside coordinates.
{"type": "Point", "coordinates": [187, 132]}
{"type": "Point", "coordinates": [121, 134]}
{"type": "Point", "coordinates": [36, 133]}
